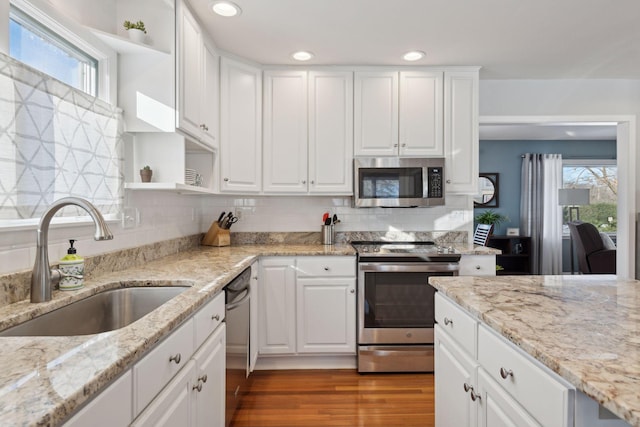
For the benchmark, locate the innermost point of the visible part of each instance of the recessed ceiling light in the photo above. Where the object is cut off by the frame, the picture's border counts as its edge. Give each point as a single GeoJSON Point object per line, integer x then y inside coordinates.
{"type": "Point", "coordinates": [226, 8]}
{"type": "Point", "coordinates": [302, 55]}
{"type": "Point", "coordinates": [414, 55]}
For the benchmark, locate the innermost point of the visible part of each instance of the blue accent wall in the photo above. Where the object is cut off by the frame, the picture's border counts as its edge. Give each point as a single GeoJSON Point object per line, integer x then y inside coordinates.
{"type": "Point", "coordinates": [504, 157]}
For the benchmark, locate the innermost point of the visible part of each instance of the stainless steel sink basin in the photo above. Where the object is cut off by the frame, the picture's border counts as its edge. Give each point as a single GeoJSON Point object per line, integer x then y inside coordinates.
{"type": "Point", "coordinates": [106, 311]}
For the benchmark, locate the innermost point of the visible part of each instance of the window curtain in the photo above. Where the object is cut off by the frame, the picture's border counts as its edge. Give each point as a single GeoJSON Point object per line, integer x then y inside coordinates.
{"type": "Point", "coordinates": [540, 213]}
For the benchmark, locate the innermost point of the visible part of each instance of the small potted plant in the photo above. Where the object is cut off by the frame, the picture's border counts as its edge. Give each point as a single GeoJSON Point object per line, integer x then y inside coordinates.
{"type": "Point", "coordinates": [136, 30]}
{"type": "Point", "coordinates": [145, 174]}
{"type": "Point", "coordinates": [491, 217]}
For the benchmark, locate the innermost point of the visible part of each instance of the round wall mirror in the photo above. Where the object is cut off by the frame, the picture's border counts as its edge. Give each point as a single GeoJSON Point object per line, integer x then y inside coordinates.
{"type": "Point", "coordinates": [487, 195]}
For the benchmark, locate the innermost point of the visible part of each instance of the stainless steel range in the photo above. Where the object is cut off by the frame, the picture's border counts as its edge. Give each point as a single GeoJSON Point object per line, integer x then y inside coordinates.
{"type": "Point", "coordinates": [396, 303]}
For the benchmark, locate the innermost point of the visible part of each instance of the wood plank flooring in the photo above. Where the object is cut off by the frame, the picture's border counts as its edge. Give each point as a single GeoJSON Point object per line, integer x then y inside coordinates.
{"type": "Point", "coordinates": [325, 398]}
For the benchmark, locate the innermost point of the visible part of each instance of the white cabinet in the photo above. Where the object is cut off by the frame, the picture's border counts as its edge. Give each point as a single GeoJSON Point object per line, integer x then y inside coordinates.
{"type": "Point", "coordinates": [398, 113]}
{"type": "Point", "coordinates": [277, 308]}
{"type": "Point", "coordinates": [326, 315]}
{"type": "Point", "coordinates": [307, 305]}
{"type": "Point", "coordinates": [197, 77]}
{"type": "Point", "coordinates": [209, 381]}
{"type": "Point", "coordinates": [461, 131]}
{"type": "Point", "coordinates": [240, 127]}
{"type": "Point", "coordinates": [477, 265]}
{"type": "Point", "coordinates": [253, 315]}
{"type": "Point", "coordinates": [454, 368]}
{"type": "Point", "coordinates": [308, 128]}
{"type": "Point", "coordinates": [497, 408]}
{"type": "Point", "coordinates": [112, 408]}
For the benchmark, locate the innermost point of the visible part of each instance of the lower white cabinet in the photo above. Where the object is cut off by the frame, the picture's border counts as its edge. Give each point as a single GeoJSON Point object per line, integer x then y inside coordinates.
{"type": "Point", "coordinates": [112, 408]}
{"type": "Point", "coordinates": [172, 385]}
{"type": "Point", "coordinates": [483, 380]}
{"type": "Point", "coordinates": [477, 265]}
{"type": "Point", "coordinates": [253, 316]}
{"type": "Point", "coordinates": [307, 305]}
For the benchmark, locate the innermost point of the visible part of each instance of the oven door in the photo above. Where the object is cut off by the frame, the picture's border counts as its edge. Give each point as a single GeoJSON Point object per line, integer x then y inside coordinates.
{"type": "Point", "coordinates": [396, 303]}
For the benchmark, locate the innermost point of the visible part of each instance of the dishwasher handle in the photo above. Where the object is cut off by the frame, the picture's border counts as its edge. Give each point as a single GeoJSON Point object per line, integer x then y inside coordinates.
{"type": "Point", "coordinates": [232, 305]}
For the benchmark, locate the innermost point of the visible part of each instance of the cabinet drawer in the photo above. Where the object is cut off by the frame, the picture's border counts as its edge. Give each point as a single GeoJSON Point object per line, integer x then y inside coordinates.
{"type": "Point", "coordinates": [157, 368]}
{"type": "Point", "coordinates": [455, 322]}
{"type": "Point", "coordinates": [548, 399]}
{"type": "Point", "coordinates": [326, 266]}
{"type": "Point", "coordinates": [208, 318]}
{"type": "Point", "coordinates": [477, 265]}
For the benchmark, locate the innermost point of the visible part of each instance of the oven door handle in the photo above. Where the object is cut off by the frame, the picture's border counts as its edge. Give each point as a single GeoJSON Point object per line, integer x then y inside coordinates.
{"type": "Point", "coordinates": [410, 267]}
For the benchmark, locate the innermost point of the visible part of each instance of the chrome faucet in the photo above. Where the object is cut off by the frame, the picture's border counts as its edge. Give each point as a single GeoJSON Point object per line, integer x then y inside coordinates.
{"type": "Point", "coordinates": [43, 278]}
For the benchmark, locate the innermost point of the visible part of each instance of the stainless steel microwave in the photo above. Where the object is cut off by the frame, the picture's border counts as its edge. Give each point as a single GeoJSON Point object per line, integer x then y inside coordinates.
{"type": "Point", "coordinates": [398, 182]}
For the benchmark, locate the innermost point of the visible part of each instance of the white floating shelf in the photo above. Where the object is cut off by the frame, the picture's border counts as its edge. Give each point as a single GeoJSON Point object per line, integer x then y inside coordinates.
{"type": "Point", "coordinates": [168, 186]}
{"type": "Point", "coordinates": [125, 46]}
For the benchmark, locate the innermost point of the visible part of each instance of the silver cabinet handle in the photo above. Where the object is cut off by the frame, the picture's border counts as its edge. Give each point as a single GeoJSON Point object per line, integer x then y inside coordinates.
{"type": "Point", "coordinates": [395, 145]}
{"type": "Point", "coordinates": [467, 387]}
{"type": "Point", "coordinates": [304, 181]}
{"type": "Point", "coordinates": [326, 269]}
{"type": "Point", "coordinates": [198, 386]}
{"type": "Point", "coordinates": [215, 317]}
{"type": "Point", "coordinates": [506, 373]}
{"type": "Point", "coordinates": [255, 277]}
{"type": "Point", "coordinates": [353, 291]}
{"type": "Point", "coordinates": [226, 179]}
{"type": "Point", "coordinates": [313, 182]}
{"type": "Point", "coordinates": [448, 181]}
{"type": "Point", "coordinates": [478, 267]}
{"type": "Point", "coordinates": [204, 127]}
{"type": "Point", "coordinates": [175, 358]}
{"type": "Point", "coordinates": [203, 378]}
{"type": "Point", "coordinates": [448, 321]}
{"type": "Point", "coordinates": [474, 396]}
{"type": "Point", "coordinates": [404, 145]}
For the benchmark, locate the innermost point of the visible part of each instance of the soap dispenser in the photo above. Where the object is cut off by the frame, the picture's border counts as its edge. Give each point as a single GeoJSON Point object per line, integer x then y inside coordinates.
{"type": "Point", "coordinates": [72, 268]}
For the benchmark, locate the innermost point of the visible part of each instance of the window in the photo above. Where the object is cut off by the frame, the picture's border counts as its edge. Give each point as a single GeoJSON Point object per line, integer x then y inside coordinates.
{"type": "Point", "coordinates": [37, 46]}
{"type": "Point", "coordinates": [601, 178]}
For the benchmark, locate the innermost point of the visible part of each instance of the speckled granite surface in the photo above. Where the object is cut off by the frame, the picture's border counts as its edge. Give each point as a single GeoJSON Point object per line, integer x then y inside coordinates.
{"type": "Point", "coordinates": [585, 328]}
{"type": "Point", "coordinates": [44, 379]}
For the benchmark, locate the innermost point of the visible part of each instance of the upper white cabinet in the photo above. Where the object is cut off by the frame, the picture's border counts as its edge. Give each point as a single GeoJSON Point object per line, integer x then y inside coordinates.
{"type": "Point", "coordinates": [461, 131]}
{"type": "Point", "coordinates": [308, 130]}
{"type": "Point", "coordinates": [240, 127]}
{"type": "Point", "coordinates": [197, 77]}
{"type": "Point", "coordinates": [398, 113]}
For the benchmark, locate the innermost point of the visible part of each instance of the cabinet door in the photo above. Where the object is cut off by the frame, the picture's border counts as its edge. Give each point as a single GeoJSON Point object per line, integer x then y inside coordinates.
{"type": "Point", "coordinates": [421, 121]}
{"type": "Point", "coordinates": [174, 405]}
{"type": "Point", "coordinates": [376, 113]}
{"type": "Point", "coordinates": [285, 132]}
{"type": "Point", "coordinates": [331, 132]}
{"type": "Point", "coordinates": [189, 71]}
{"type": "Point", "coordinates": [454, 368]}
{"type": "Point", "coordinates": [210, 95]}
{"type": "Point", "coordinates": [113, 407]}
{"type": "Point", "coordinates": [497, 408]}
{"type": "Point", "coordinates": [277, 309]}
{"type": "Point", "coordinates": [326, 314]}
{"type": "Point", "coordinates": [240, 127]}
{"type": "Point", "coordinates": [461, 131]}
{"type": "Point", "coordinates": [210, 381]}
{"type": "Point", "coordinates": [253, 316]}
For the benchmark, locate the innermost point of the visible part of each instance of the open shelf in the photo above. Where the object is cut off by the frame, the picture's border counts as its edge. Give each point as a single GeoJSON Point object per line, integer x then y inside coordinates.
{"type": "Point", "coordinates": [515, 257]}
{"type": "Point", "coordinates": [125, 46]}
{"type": "Point", "coordinates": [168, 186]}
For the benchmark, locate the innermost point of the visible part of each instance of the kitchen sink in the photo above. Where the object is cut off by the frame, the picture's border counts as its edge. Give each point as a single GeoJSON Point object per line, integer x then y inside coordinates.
{"type": "Point", "coordinates": [106, 311]}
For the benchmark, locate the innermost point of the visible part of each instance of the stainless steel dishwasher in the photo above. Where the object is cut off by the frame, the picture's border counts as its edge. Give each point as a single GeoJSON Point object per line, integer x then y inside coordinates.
{"type": "Point", "coordinates": [237, 297]}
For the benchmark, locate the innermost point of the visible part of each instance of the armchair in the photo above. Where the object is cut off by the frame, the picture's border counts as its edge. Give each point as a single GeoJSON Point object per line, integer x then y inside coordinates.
{"type": "Point", "coordinates": [593, 257]}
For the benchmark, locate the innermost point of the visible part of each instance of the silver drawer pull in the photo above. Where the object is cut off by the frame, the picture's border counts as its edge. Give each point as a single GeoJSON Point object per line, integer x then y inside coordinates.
{"type": "Point", "coordinates": [478, 267]}
{"type": "Point", "coordinates": [326, 269]}
{"type": "Point", "coordinates": [448, 321]}
{"type": "Point", "coordinates": [467, 387]}
{"type": "Point", "coordinates": [203, 378]}
{"type": "Point", "coordinates": [197, 387]}
{"type": "Point", "coordinates": [506, 373]}
{"type": "Point", "coordinates": [175, 358]}
{"type": "Point", "coordinates": [353, 291]}
{"type": "Point", "coordinates": [474, 396]}
{"type": "Point", "coordinates": [215, 317]}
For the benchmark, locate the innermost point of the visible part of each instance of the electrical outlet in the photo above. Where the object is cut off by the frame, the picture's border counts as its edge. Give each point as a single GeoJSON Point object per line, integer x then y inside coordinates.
{"type": "Point", "coordinates": [238, 213]}
{"type": "Point", "coordinates": [130, 218]}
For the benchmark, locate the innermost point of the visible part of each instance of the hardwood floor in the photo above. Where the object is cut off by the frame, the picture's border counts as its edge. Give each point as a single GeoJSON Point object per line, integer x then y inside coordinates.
{"type": "Point", "coordinates": [337, 398]}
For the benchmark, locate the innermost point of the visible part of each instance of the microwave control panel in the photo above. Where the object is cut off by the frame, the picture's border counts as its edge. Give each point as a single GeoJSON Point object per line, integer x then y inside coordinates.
{"type": "Point", "coordinates": [434, 182]}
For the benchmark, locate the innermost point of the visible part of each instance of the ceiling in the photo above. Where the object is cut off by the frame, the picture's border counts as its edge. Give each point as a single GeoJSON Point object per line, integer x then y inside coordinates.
{"type": "Point", "coordinates": [509, 39]}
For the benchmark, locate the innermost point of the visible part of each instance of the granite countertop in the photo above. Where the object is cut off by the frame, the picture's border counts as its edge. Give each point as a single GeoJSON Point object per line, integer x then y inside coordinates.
{"type": "Point", "coordinates": [44, 379]}
{"type": "Point", "coordinates": [584, 328]}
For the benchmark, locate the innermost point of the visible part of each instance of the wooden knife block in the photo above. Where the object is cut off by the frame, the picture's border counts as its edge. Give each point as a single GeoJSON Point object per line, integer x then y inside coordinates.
{"type": "Point", "coordinates": [217, 236]}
